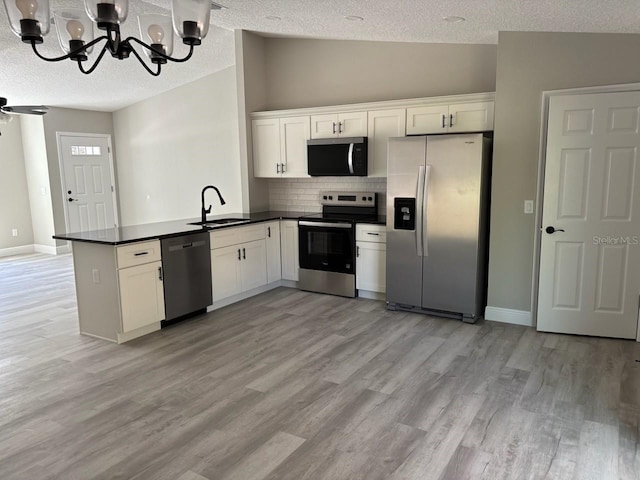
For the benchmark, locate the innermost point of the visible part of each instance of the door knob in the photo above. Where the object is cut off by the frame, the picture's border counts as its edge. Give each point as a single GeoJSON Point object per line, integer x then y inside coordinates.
{"type": "Point", "coordinates": [551, 230]}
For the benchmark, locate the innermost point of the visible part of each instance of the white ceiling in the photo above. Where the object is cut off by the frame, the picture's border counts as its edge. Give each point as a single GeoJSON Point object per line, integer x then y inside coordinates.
{"type": "Point", "coordinates": [25, 79]}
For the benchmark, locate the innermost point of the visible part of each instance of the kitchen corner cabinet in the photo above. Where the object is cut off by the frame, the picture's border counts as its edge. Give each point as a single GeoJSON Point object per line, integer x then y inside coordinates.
{"type": "Point", "coordinates": [334, 125]}
{"type": "Point", "coordinates": [455, 118]}
{"type": "Point", "coordinates": [238, 260]}
{"type": "Point", "coordinates": [119, 289]}
{"type": "Point", "coordinates": [289, 247]}
{"type": "Point", "coordinates": [371, 258]}
{"type": "Point", "coordinates": [383, 124]}
{"type": "Point", "coordinates": [280, 146]}
{"type": "Point", "coordinates": [274, 264]}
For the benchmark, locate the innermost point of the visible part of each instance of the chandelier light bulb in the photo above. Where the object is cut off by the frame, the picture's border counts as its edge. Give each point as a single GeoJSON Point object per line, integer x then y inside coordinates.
{"type": "Point", "coordinates": [27, 8]}
{"type": "Point", "coordinates": [75, 29]}
{"type": "Point", "coordinates": [156, 33]}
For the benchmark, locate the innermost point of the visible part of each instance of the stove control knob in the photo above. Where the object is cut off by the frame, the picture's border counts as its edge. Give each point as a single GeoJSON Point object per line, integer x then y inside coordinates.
{"type": "Point", "coordinates": [324, 197]}
{"type": "Point", "coordinates": [370, 199]}
{"type": "Point", "coordinates": [364, 199]}
{"type": "Point", "coordinates": [330, 197]}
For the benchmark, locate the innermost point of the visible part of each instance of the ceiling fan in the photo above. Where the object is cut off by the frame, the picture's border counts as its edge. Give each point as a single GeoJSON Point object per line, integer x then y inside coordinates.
{"type": "Point", "coordinates": [21, 110]}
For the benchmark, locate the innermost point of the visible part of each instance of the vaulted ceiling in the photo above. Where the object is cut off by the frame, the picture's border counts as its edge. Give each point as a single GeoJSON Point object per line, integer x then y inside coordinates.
{"type": "Point", "coordinates": [115, 84]}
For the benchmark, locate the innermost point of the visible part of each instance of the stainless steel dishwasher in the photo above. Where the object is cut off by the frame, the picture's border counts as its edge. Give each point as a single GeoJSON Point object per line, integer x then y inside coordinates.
{"type": "Point", "coordinates": [186, 265]}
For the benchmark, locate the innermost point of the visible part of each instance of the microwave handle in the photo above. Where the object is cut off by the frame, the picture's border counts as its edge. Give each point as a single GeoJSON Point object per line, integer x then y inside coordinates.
{"type": "Point", "coordinates": [350, 158]}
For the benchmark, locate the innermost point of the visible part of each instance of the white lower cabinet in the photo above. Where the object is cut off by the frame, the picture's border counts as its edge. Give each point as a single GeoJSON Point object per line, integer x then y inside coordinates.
{"type": "Point", "coordinates": [238, 260]}
{"type": "Point", "coordinates": [274, 264]}
{"type": "Point", "coordinates": [371, 258]}
{"type": "Point", "coordinates": [289, 246]}
{"type": "Point", "coordinates": [141, 295]}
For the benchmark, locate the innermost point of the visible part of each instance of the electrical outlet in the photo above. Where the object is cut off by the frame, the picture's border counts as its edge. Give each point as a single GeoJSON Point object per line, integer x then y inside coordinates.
{"type": "Point", "coordinates": [96, 275]}
{"type": "Point", "coordinates": [14, 232]}
{"type": "Point", "coordinates": [528, 206]}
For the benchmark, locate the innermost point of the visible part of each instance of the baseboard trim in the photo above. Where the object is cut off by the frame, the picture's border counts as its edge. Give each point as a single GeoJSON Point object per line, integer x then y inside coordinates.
{"type": "Point", "coordinates": [243, 296]}
{"type": "Point", "coordinates": [372, 295]}
{"type": "Point", "coordinates": [50, 250]}
{"type": "Point", "coordinates": [507, 315]}
{"type": "Point", "coordinates": [11, 251]}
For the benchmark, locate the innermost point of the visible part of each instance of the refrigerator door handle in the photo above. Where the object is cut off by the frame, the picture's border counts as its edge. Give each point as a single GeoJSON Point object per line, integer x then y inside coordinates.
{"type": "Point", "coordinates": [350, 158]}
{"type": "Point", "coordinates": [420, 211]}
{"type": "Point", "coordinates": [425, 217]}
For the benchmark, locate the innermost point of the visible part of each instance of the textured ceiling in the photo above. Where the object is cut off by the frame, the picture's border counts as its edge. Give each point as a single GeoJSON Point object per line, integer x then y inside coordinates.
{"type": "Point", "coordinates": [26, 79]}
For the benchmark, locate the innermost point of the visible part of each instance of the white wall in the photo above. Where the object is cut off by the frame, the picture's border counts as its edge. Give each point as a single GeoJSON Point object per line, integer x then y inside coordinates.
{"type": "Point", "coordinates": [14, 195]}
{"type": "Point", "coordinates": [172, 145]}
{"type": "Point", "coordinates": [37, 170]}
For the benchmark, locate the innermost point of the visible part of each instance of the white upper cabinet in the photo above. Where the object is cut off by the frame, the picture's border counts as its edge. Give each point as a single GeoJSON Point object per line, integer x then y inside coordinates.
{"type": "Point", "coordinates": [294, 133]}
{"type": "Point", "coordinates": [383, 124]}
{"type": "Point", "coordinates": [349, 124]}
{"type": "Point", "coordinates": [280, 146]}
{"type": "Point", "coordinates": [455, 118]}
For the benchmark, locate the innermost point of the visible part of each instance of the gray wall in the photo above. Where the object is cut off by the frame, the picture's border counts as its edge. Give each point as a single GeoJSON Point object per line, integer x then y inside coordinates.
{"type": "Point", "coordinates": [252, 96]}
{"type": "Point", "coordinates": [14, 194]}
{"type": "Point", "coordinates": [311, 73]}
{"type": "Point", "coordinates": [172, 145]}
{"type": "Point", "coordinates": [528, 64]}
{"type": "Point", "coordinates": [75, 121]}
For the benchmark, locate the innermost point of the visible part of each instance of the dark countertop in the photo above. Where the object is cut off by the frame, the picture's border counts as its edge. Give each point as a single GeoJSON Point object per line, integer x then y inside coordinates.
{"type": "Point", "coordinates": [152, 231]}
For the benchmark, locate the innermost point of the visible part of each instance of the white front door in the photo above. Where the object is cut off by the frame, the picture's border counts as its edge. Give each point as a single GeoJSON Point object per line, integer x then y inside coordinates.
{"type": "Point", "coordinates": [589, 266]}
{"type": "Point", "coordinates": [87, 182]}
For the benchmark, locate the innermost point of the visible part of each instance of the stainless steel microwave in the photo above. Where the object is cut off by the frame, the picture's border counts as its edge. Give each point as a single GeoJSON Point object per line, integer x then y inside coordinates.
{"type": "Point", "coordinates": [337, 157]}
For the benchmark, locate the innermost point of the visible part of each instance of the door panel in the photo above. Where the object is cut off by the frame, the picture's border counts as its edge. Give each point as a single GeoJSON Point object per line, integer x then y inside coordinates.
{"type": "Point", "coordinates": [88, 183]}
{"type": "Point", "coordinates": [253, 268]}
{"type": "Point", "coordinates": [591, 200]}
{"type": "Point", "coordinates": [294, 133]}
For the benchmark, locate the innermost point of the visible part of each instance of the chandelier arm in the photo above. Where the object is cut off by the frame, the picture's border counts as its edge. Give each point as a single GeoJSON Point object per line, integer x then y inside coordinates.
{"type": "Point", "coordinates": [142, 62]}
{"type": "Point", "coordinates": [160, 54]}
{"type": "Point", "coordinates": [68, 55]}
{"type": "Point", "coordinates": [95, 64]}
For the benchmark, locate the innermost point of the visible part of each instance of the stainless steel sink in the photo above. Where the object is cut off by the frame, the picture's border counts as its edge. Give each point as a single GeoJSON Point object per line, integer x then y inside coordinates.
{"type": "Point", "coordinates": [222, 221]}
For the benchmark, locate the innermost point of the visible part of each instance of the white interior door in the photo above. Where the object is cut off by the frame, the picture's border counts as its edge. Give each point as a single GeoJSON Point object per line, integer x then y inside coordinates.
{"type": "Point", "coordinates": [589, 275]}
{"type": "Point", "coordinates": [88, 184]}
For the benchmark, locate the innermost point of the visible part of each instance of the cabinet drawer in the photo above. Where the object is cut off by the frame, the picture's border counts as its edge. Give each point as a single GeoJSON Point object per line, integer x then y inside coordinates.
{"type": "Point", "coordinates": [371, 233]}
{"type": "Point", "coordinates": [138, 253]}
{"type": "Point", "coordinates": [233, 236]}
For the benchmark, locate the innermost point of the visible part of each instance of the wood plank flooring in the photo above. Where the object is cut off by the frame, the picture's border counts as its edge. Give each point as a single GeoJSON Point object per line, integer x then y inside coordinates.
{"type": "Point", "coordinates": [295, 385]}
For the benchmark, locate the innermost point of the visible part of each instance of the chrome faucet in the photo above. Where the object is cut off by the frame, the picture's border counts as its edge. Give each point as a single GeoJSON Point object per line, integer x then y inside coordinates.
{"type": "Point", "coordinates": [208, 210]}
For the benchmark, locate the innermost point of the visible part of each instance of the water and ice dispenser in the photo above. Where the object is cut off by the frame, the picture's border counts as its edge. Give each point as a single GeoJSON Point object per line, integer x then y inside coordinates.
{"type": "Point", "coordinates": [404, 213]}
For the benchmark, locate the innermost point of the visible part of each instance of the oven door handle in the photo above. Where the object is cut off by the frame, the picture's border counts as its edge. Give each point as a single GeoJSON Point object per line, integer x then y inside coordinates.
{"type": "Point", "coordinates": [324, 224]}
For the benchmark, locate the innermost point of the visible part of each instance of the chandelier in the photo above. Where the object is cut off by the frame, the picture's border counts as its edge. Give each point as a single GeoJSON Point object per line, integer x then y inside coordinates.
{"type": "Point", "coordinates": [31, 19]}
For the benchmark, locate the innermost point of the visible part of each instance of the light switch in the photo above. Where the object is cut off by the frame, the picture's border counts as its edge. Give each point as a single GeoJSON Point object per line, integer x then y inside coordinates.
{"type": "Point", "coordinates": [528, 206]}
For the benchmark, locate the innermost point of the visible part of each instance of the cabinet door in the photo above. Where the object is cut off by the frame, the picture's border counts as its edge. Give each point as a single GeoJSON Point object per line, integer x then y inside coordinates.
{"type": "Point", "coordinates": [141, 295]}
{"type": "Point", "coordinates": [324, 126]}
{"type": "Point", "coordinates": [383, 124]}
{"type": "Point", "coordinates": [427, 119]}
{"type": "Point", "coordinates": [253, 267]}
{"type": "Point", "coordinates": [471, 117]}
{"type": "Point", "coordinates": [266, 147]}
{"type": "Point", "coordinates": [289, 245]}
{"type": "Point", "coordinates": [225, 272]}
{"type": "Point", "coordinates": [352, 124]}
{"type": "Point", "coordinates": [294, 133]}
{"type": "Point", "coordinates": [274, 266]}
{"type": "Point", "coordinates": [371, 266]}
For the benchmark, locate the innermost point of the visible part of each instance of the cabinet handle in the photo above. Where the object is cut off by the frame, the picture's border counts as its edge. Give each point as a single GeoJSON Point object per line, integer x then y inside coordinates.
{"type": "Point", "coordinates": [140, 254]}
{"type": "Point", "coordinates": [244, 254]}
{"type": "Point", "coordinates": [444, 125]}
{"type": "Point", "coordinates": [269, 232]}
{"type": "Point", "coordinates": [357, 251]}
{"type": "Point", "coordinates": [334, 127]}
{"type": "Point", "coordinates": [282, 169]}
{"type": "Point", "coordinates": [277, 168]}
{"type": "Point", "coordinates": [451, 120]}
{"type": "Point", "coordinates": [160, 274]}
{"type": "Point", "coordinates": [340, 127]}
{"type": "Point", "coordinates": [239, 257]}
{"type": "Point", "coordinates": [372, 233]}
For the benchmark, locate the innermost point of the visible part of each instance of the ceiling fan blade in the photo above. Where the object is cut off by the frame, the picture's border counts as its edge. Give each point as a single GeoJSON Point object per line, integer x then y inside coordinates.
{"type": "Point", "coordinates": [27, 110]}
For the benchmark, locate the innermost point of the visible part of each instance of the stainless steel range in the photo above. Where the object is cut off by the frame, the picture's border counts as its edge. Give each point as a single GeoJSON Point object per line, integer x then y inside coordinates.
{"type": "Point", "coordinates": [327, 242]}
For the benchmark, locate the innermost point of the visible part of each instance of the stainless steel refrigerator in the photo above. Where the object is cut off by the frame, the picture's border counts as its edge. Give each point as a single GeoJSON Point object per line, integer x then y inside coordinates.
{"type": "Point", "coordinates": [437, 224]}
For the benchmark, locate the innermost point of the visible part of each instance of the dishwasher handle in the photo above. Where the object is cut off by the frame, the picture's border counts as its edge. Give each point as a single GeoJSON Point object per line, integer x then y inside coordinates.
{"type": "Point", "coordinates": [184, 246]}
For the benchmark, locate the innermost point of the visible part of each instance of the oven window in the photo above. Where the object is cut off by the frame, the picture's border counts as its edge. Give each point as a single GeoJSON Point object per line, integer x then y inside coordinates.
{"type": "Point", "coordinates": [327, 249]}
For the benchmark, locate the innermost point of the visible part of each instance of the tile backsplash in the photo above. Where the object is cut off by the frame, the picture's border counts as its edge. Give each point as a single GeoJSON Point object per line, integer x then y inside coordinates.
{"type": "Point", "coordinates": [303, 194]}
